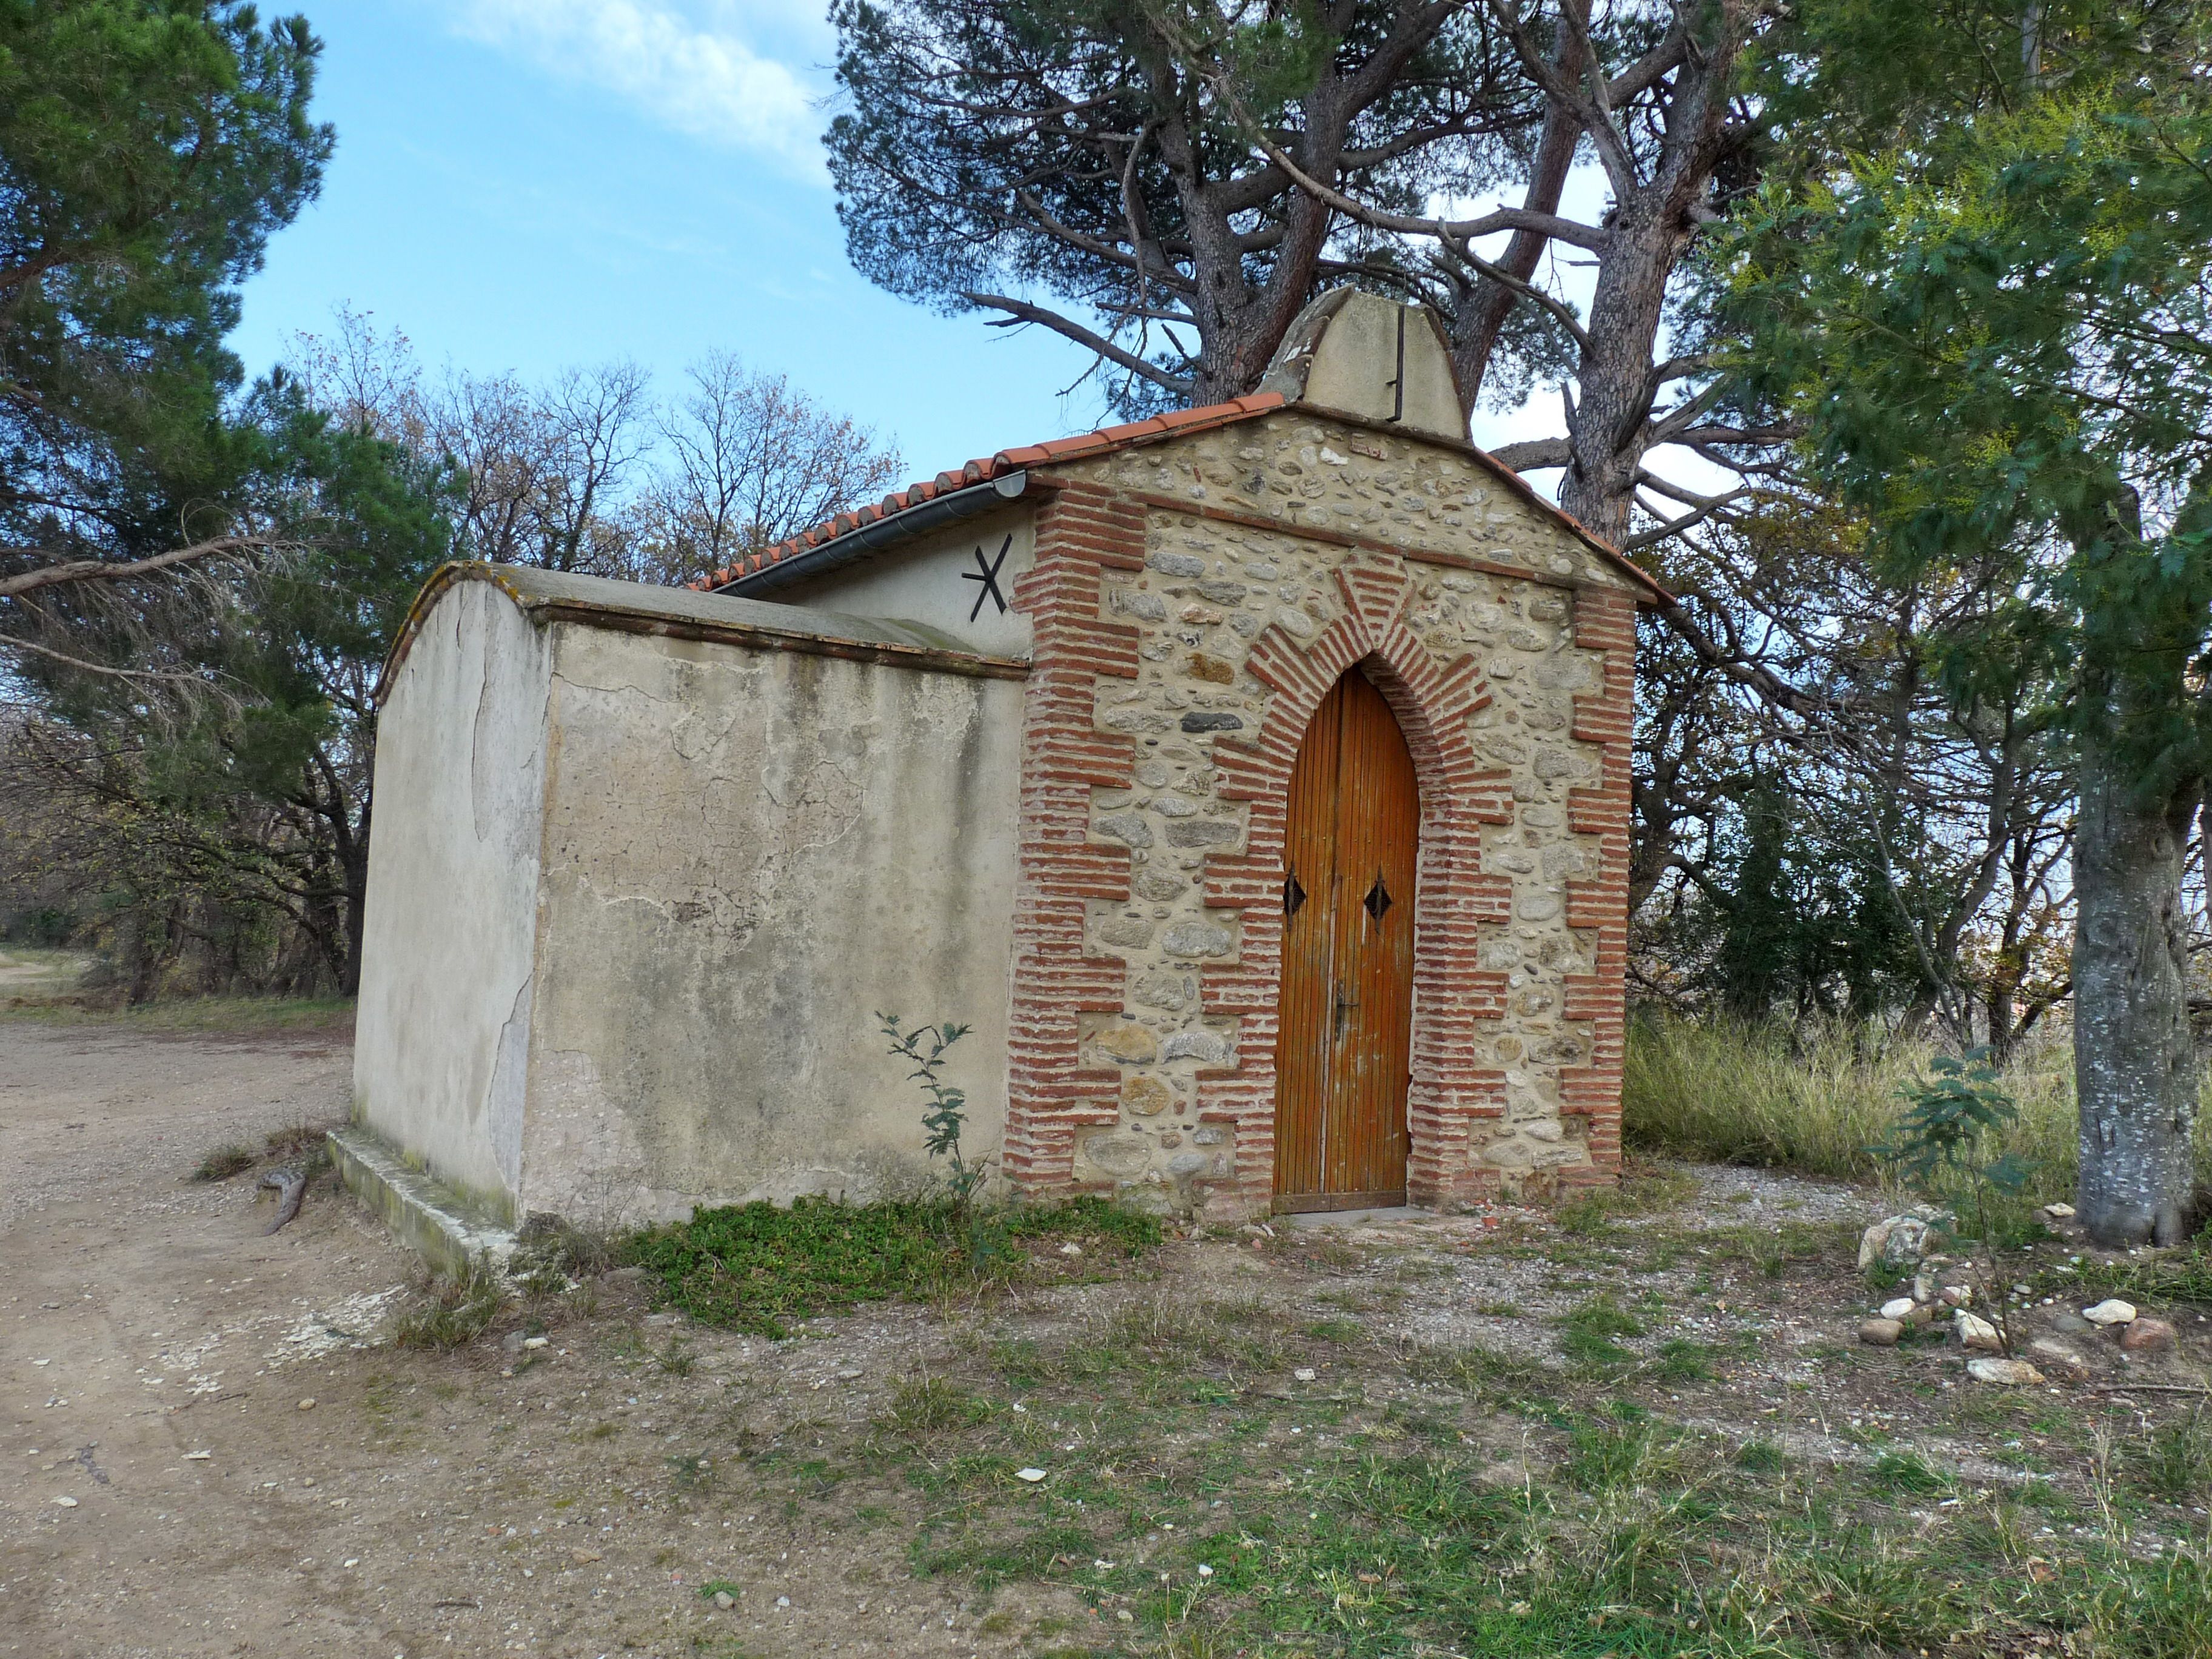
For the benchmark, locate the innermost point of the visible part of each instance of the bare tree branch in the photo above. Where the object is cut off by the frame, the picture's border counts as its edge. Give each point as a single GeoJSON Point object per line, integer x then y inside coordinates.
{"type": "Point", "coordinates": [110, 570]}
{"type": "Point", "coordinates": [1021, 310]}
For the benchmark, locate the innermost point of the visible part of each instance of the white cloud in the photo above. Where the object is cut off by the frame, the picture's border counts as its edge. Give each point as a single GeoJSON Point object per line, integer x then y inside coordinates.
{"type": "Point", "coordinates": [703, 80]}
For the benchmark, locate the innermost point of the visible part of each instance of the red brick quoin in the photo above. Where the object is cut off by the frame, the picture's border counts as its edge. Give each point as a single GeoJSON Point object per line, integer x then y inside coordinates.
{"type": "Point", "coordinates": [1605, 621]}
{"type": "Point", "coordinates": [1053, 1098]}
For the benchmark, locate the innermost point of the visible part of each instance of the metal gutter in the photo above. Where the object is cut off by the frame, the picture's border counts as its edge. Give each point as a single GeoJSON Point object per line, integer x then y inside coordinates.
{"type": "Point", "coordinates": [902, 525]}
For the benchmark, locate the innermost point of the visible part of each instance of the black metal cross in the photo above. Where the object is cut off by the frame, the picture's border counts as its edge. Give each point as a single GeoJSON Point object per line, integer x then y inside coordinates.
{"type": "Point", "coordinates": [987, 574]}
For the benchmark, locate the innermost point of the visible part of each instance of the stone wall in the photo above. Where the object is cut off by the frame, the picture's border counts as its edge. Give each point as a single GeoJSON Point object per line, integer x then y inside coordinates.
{"type": "Point", "coordinates": [1193, 602]}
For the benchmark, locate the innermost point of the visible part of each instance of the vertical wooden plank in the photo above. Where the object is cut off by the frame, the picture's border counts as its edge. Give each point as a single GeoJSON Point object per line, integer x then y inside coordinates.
{"type": "Point", "coordinates": [1377, 835]}
{"type": "Point", "coordinates": [1304, 1032]}
{"type": "Point", "coordinates": [1344, 1039]}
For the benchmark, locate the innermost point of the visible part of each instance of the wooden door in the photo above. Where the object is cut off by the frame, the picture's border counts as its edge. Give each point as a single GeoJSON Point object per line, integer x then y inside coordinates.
{"type": "Point", "coordinates": [1346, 999]}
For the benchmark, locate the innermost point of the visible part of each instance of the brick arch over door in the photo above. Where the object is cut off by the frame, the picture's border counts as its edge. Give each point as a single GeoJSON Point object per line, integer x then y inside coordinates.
{"type": "Point", "coordinates": [1451, 1092]}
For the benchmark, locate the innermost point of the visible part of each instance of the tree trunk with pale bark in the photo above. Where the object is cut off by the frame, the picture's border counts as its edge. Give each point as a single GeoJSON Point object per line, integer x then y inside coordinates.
{"type": "Point", "coordinates": [2134, 1068]}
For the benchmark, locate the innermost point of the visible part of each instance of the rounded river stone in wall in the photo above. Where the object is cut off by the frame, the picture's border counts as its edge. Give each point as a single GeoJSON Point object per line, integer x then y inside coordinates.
{"type": "Point", "coordinates": [1131, 1042]}
{"type": "Point", "coordinates": [1118, 1153]}
{"type": "Point", "coordinates": [1207, 1046]}
{"type": "Point", "coordinates": [1199, 938]}
{"type": "Point", "coordinates": [1147, 1097]}
{"type": "Point", "coordinates": [1195, 722]}
{"type": "Point", "coordinates": [1127, 827]}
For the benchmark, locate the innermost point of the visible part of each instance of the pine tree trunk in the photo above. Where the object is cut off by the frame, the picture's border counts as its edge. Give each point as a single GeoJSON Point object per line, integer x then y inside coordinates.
{"type": "Point", "coordinates": [2133, 1070]}
{"type": "Point", "coordinates": [1605, 433]}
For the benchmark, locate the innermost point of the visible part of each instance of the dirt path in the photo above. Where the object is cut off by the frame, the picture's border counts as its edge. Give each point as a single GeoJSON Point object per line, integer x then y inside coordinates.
{"type": "Point", "coordinates": [167, 1494]}
{"type": "Point", "coordinates": [145, 1318]}
{"type": "Point", "coordinates": [162, 1492]}
{"type": "Point", "coordinates": [580, 1479]}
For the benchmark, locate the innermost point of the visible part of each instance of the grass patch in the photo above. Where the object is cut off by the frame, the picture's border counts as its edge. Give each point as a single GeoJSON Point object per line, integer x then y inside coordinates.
{"type": "Point", "coordinates": [2184, 1276]}
{"type": "Point", "coordinates": [31, 974]}
{"type": "Point", "coordinates": [1906, 1472]}
{"type": "Point", "coordinates": [929, 1405]}
{"type": "Point", "coordinates": [1085, 1217]}
{"type": "Point", "coordinates": [2173, 1462]}
{"type": "Point", "coordinates": [225, 1162]}
{"type": "Point", "coordinates": [1761, 1457]}
{"type": "Point", "coordinates": [1294, 1525]}
{"type": "Point", "coordinates": [1680, 1360]}
{"type": "Point", "coordinates": [1586, 1334]}
{"type": "Point", "coordinates": [758, 1267]}
{"type": "Point", "coordinates": [1645, 1187]}
{"type": "Point", "coordinates": [1724, 1092]}
{"type": "Point", "coordinates": [1646, 1543]}
{"type": "Point", "coordinates": [296, 1141]}
{"type": "Point", "coordinates": [186, 1016]}
{"type": "Point", "coordinates": [452, 1313]}
{"type": "Point", "coordinates": [304, 1146]}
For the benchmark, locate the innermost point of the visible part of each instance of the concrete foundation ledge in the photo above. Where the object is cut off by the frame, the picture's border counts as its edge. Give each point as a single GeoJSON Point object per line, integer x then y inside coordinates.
{"type": "Point", "coordinates": [426, 1214]}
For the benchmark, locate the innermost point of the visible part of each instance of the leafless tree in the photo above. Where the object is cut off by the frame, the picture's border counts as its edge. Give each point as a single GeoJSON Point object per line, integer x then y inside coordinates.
{"type": "Point", "coordinates": [593, 425]}
{"type": "Point", "coordinates": [746, 459]}
{"type": "Point", "coordinates": [547, 471]}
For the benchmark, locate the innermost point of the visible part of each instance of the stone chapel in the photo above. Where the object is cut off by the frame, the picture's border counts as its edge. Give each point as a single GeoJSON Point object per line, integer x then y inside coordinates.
{"type": "Point", "coordinates": [1253, 781]}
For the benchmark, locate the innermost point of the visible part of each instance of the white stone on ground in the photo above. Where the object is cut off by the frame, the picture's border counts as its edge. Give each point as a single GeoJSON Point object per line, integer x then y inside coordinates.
{"type": "Point", "coordinates": [1975, 1331]}
{"type": "Point", "coordinates": [2013, 1373]}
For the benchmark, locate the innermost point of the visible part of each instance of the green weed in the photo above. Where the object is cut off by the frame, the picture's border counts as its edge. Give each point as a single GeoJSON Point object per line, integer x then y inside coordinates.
{"type": "Point", "coordinates": [1906, 1472]}
{"type": "Point", "coordinates": [1760, 1457]}
{"type": "Point", "coordinates": [2173, 1462]}
{"type": "Point", "coordinates": [1587, 1334]}
{"type": "Point", "coordinates": [930, 1406]}
{"type": "Point", "coordinates": [676, 1358]}
{"type": "Point", "coordinates": [759, 1266]}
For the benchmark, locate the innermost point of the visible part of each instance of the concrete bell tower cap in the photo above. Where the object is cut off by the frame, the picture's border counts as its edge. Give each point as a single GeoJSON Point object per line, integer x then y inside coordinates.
{"type": "Point", "coordinates": [1359, 354]}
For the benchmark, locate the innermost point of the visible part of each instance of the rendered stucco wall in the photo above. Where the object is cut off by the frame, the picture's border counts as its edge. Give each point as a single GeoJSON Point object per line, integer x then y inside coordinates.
{"type": "Point", "coordinates": [443, 1025]}
{"type": "Point", "coordinates": [749, 854]}
{"type": "Point", "coordinates": [937, 581]}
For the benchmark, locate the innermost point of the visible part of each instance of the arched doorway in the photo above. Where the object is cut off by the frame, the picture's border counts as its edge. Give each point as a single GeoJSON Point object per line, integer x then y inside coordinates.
{"type": "Point", "coordinates": [1345, 1004]}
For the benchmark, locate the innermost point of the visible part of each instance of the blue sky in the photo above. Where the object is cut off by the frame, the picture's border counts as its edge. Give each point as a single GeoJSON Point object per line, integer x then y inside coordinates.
{"type": "Point", "coordinates": [527, 184]}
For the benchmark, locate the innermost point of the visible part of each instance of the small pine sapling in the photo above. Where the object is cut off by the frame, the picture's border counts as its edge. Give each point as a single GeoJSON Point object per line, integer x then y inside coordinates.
{"type": "Point", "coordinates": [1947, 1121]}
{"type": "Point", "coordinates": [1938, 1142]}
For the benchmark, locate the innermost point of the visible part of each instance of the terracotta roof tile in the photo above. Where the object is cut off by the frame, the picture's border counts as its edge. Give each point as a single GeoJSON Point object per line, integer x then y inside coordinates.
{"type": "Point", "coordinates": [985, 468]}
{"type": "Point", "coordinates": [1101, 442]}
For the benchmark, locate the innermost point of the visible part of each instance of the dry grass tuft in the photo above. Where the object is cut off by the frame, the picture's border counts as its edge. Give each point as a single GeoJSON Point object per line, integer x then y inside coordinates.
{"type": "Point", "coordinates": [450, 1313]}
{"type": "Point", "coordinates": [1723, 1092]}
{"type": "Point", "coordinates": [225, 1162]}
